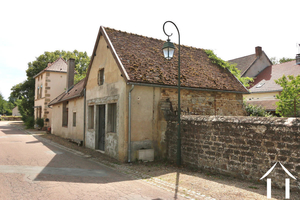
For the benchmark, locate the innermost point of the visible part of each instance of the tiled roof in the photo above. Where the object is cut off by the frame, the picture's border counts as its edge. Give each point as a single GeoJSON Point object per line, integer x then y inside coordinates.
{"type": "Point", "coordinates": [265, 81]}
{"type": "Point", "coordinates": [60, 65]}
{"type": "Point", "coordinates": [141, 60]}
{"type": "Point", "coordinates": [269, 105]}
{"type": "Point", "coordinates": [243, 63]}
{"type": "Point", "coordinates": [75, 91]}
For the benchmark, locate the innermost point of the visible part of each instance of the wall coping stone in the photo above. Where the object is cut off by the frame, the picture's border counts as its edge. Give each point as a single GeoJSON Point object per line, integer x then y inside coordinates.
{"type": "Point", "coordinates": [284, 121]}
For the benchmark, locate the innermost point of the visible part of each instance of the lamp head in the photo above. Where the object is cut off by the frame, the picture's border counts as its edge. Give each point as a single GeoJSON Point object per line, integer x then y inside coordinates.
{"type": "Point", "coordinates": [168, 49]}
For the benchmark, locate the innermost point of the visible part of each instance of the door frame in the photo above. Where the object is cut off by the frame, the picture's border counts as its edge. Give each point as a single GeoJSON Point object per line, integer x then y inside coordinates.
{"type": "Point", "coordinates": [97, 134]}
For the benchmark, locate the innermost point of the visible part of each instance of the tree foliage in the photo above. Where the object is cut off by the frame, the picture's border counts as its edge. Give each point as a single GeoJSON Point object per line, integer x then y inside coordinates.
{"type": "Point", "coordinates": [276, 61]}
{"type": "Point", "coordinates": [231, 67]}
{"type": "Point", "coordinates": [24, 91]}
{"type": "Point", "coordinates": [289, 101]}
{"type": "Point", "coordinates": [5, 106]}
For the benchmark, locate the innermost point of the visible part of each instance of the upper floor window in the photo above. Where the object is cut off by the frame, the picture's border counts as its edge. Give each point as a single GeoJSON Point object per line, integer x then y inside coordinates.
{"type": "Point", "coordinates": [38, 93]}
{"type": "Point", "coordinates": [41, 90]}
{"type": "Point", "coordinates": [101, 77]}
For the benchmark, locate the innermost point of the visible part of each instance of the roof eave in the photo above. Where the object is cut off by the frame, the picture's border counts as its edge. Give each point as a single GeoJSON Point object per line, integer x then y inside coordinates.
{"type": "Point", "coordinates": [187, 88]}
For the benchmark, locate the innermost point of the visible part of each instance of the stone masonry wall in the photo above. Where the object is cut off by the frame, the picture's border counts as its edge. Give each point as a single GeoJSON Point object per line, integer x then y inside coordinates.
{"type": "Point", "coordinates": [245, 147]}
{"type": "Point", "coordinates": [205, 102]}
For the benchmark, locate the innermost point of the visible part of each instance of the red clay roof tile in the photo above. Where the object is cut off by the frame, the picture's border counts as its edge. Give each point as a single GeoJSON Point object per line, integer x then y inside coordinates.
{"type": "Point", "coordinates": [143, 61]}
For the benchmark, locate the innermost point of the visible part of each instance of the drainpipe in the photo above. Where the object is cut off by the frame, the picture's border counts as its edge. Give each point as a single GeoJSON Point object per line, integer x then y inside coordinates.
{"type": "Point", "coordinates": [84, 115]}
{"type": "Point", "coordinates": [129, 124]}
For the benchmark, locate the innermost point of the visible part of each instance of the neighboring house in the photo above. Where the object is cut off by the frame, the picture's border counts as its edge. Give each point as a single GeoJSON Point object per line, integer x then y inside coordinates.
{"type": "Point", "coordinates": [15, 111]}
{"type": "Point", "coordinates": [264, 89]}
{"type": "Point", "coordinates": [252, 65]}
{"type": "Point", "coordinates": [131, 90]}
{"type": "Point", "coordinates": [67, 109]}
{"type": "Point", "coordinates": [48, 86]}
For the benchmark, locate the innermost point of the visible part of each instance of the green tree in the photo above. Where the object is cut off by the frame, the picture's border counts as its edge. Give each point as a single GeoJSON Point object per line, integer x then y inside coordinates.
{"type": "Point", "coordinates": [289, 101]}
{"type": "Point", "coordinates": [275, 61]}
{"type": "Point", "coordinates": [231, 67]}
{"type": "Point", "coordinates": [24, 91]}
{"type": "Point", "coordinates": [5, 106]}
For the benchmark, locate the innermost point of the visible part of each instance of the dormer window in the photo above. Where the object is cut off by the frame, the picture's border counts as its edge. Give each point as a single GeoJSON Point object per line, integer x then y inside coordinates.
{"type": "Point", "coordinates": [101, 77]}
{"type": "Point", "coordinates": [260, 85]}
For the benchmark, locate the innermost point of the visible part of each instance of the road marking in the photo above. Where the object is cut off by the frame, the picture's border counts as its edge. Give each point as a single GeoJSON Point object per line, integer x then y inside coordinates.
{"type": "Point", "coordinates": [51, 170]}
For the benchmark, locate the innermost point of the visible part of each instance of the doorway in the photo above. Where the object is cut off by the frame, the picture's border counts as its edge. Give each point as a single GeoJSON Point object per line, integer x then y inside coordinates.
{"type": "Point", "coordinates": [100, 138]}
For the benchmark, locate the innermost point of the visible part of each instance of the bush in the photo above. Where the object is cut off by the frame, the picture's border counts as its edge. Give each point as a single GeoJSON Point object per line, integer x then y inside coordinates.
{"type": "Point", "coordinates": [29, 122]}
{"type": "Point", "coordinates": [254, 110]}
{"type": "Point", "coordinates": [39, 122]}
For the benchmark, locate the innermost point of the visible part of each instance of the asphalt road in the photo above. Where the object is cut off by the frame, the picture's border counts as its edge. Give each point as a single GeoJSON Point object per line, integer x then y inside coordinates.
{"type": "Point", "coordinates": [31, 168]}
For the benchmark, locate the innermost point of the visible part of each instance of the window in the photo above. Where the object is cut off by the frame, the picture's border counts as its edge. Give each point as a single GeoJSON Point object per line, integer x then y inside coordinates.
{"type": "Point", "coordinates": [65, 113]}
{"type": "Point", "coordinates": [112, 117]}
{"type": "Point", "coordinates": [101, 77]}
{"type": "Point", "coordinates": [38, 93]}
{"type": "Point", "coordinates": [74, 119]}
{"type": "Point", "coordinates": [41, 91]}
{"type": "Point", "coordinates": [91, 117]}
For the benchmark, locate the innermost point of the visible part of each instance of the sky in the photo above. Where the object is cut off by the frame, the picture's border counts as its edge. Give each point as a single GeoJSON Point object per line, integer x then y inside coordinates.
{"type": "Point", "coordinates": [231, 28]}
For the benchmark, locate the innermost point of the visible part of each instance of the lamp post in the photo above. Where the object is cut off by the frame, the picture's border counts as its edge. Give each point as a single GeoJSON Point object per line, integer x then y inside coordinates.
{"type": "Point", "coordinates": [168, 50]}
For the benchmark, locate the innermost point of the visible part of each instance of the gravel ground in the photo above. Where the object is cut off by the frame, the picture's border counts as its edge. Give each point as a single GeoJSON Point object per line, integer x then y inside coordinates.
{"type": "Point", "coordinates": [193, 184]}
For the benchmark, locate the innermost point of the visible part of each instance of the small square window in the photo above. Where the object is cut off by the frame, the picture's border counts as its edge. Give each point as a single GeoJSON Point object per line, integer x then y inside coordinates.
{"type": "Point", "coordinates": [101, 77]}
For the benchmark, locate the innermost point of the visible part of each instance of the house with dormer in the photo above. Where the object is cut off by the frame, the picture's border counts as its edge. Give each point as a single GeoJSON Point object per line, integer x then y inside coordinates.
{"type": "Point", "coordinates": [263, 90]}
{"type": "Point", "coordinates": [47, 87]}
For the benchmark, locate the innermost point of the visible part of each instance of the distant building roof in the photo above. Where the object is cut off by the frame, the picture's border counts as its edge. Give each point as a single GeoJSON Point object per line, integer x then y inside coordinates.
{"type": "Point", "coordinates": [60, 65]}
{"type": "Point", "coordinates": [74, 92]}
{"type": "Point", "coordinates": [243, 63]}
{"type": "Point", "coordinates": [140, 59]}
{"type": "Point", "coordinates": [265, 81]}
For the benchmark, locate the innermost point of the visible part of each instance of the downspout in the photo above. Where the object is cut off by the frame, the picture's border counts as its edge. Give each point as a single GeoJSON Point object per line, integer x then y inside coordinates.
{"type": "Point", "coordinates": [129, 124]}
{"type": "Point", "coordinates": [84, 115]}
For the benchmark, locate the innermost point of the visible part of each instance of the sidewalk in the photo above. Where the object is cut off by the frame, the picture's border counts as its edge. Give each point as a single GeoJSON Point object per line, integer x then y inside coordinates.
{"type": "Point", "coordinates": [192, 184]}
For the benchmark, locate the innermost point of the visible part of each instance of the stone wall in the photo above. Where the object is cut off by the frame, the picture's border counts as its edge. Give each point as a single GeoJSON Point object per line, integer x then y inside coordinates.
{"type": "Point", "coordinates": [205, 102]}
{"type": "Point", "coordinates": [245, 147]}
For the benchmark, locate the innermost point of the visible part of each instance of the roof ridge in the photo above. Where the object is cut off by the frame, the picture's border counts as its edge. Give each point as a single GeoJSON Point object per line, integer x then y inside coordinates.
{"type": "Point", "coordinates": [182, 45]}
{"type": "Point", "coordinates": [241, 57]}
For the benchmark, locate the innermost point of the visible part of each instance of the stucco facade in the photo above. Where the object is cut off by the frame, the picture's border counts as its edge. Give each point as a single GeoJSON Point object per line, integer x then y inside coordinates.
{"type": "Point", "coordinates": [75, 126]}
{"type": "Point", "coordinates": [113, 90]}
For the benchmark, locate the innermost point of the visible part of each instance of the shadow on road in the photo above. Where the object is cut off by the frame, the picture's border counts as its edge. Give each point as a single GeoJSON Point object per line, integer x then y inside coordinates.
{"type": "Point", "coordinates": [68, 166]}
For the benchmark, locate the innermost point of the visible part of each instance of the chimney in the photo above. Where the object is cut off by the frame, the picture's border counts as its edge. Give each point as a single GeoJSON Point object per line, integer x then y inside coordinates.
{"type": "Point", "coordinates": [298, 59]}
{"type": "Point", "coordinates": [258, 51]}
{"type": "Point", "coordinates": [70, 73]}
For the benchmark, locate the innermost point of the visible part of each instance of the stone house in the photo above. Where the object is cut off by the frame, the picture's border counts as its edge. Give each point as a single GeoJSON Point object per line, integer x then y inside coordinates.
{"type": "Point", "coordinates": [252, 65]}
{"type": "Point", "coordinates": [47, 87]}
{"type": "Point", "coordinates": [130, 89]}
{"type": "Point", "coordinates": [67, 108]}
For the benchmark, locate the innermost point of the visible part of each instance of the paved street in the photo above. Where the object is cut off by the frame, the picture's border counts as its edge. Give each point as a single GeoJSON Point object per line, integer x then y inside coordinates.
{"type": "Point", "coordinates": [31, 168]}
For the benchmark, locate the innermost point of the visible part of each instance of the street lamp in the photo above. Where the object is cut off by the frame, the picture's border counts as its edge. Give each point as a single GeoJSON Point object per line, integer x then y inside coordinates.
{"type": "Point", "coordinates": [168, 50]}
